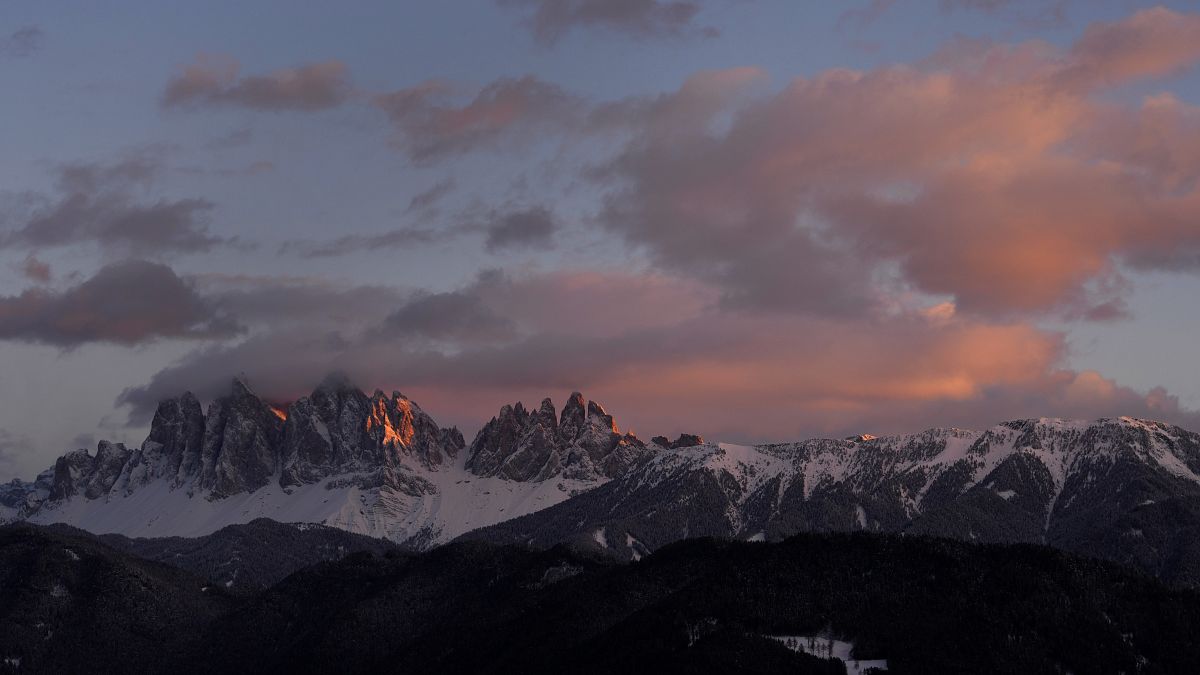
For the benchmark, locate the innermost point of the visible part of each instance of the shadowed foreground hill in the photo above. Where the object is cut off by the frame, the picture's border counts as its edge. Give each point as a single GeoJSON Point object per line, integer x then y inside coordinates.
{"type": "Point", "coordinates": [702, 605]}
{"type": "Point", "coordinates": [72, 604]}
{"type": "Point", "coordinates": [255, 555]}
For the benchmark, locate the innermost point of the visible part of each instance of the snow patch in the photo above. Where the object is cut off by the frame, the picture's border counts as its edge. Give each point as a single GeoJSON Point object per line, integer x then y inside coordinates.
{"type": "Point", "coordinates": [828, 648]}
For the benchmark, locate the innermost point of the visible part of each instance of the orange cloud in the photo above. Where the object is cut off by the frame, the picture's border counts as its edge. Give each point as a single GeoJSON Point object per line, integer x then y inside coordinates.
{"type": "Point", "coordinates": [1002, 176]}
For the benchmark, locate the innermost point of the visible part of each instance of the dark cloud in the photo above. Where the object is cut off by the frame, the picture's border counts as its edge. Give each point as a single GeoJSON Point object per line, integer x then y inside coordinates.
{"type": "Point", "coordinates": [981, 5]}
{"type": "Point", "coordinates": [214, 81]}
{"type": "Point", "coordinates": [550, 20]}
{"type": "Point", "coordinates": [35, 270]}
{"type": "Point", "coordinates": [11, 448]}
{"type": "Point", "coordinates": [521, 229]}
{"type": "Point", "coordinates": [22, 42]}
{"type": "Point", "coordinates": [430, 126]}
{"type": "Point", "coordinates": [510, 227]}
{"type": "Point", "coordinates": [425, 201]}
{"type": "Point", "coordinates": [109, 205]}
{"type": "Point", "coordinates": [459, 317]}
{"type": "Point", "coordinates": [127, 303]}
{"type": "Point", "coordinates": [298, 303]}
{"type": "Point", "coordinates": [234, 139]}
{"type": "Point", "coordinates": [403, 237]}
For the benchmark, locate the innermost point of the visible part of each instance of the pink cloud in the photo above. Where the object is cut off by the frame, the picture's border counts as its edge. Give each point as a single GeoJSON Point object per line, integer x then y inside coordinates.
{"type": "Point", "coordinates": [429, 125]}
{"type": "Point", "coordinates": [214, 80]}
{"type": "Point", "coordinates": [998, 175]}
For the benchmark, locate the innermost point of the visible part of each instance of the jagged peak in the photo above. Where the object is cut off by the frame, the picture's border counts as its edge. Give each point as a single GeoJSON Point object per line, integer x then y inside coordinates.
{"type": "Point", "coordinates": [683, 441]}
{"type": "Point", "coordinates": [239, 388]}
{"type": "Point", "coordinates": [76, 453]}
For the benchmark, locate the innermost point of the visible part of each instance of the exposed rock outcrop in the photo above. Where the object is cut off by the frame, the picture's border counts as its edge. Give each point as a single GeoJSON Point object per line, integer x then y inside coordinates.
{"type": "Point", "coordinates": [583, 443]}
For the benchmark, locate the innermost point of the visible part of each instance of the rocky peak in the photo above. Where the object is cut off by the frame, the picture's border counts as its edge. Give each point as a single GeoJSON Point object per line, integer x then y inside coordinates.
{"type": "Point", "coordinates": [599, 419]}
{"type": "Point", "coordinates": [339, 430]}
{"type": "Point", "coordinates": [573, 416]}
{"type": "Point", "coordinates": [70, 473]}
{"type": "Point", "coordinates": [545, 415]}
{"type": "Point", "coordinates": [241, 441]}
{"type": "Point", "coordinates": [176, 437]}
{"type": "Point", "coordinates": [684, 441]}
{"type": "Point", "coordinates": [524, 446]}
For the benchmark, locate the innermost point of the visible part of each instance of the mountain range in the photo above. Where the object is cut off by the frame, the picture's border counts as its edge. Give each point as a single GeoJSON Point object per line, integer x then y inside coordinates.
{"type": "Point", "coordinates": [1123, 489]}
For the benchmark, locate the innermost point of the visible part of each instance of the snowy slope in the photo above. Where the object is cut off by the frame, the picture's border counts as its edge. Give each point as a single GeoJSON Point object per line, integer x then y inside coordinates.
{"type": "Point", "coordinates": [459, 502]}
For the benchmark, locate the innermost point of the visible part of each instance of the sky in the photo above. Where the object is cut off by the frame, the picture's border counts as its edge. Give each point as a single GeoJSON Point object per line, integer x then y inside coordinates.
{"type": "Point", "coordinates": [757, 220]}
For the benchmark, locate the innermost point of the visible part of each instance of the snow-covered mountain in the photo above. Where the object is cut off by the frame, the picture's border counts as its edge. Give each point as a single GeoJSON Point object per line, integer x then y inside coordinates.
{"type": "Point", "coordinates": [1123, 489]}
{"type": "Point", "coordinates": [376, 465]}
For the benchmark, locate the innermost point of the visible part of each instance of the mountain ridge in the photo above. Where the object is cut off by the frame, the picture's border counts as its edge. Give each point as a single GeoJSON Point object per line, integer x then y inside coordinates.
{"type": "Point", "coordinates": [1120, 488]}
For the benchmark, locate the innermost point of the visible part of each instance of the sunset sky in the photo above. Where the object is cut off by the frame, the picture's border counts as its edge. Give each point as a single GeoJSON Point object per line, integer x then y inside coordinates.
{"type": "Point", "coordinates": [757, 220]}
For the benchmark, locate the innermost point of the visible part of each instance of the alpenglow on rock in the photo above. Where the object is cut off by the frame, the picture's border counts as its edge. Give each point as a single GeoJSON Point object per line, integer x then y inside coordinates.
{"type": "Point", "coordinates": [340, 430]}
{"type": "Point", "coordinates": [374, 464]}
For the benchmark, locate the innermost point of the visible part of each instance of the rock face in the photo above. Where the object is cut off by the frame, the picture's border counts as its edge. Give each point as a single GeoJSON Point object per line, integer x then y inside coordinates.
{"type": "Point", "coordinates": [340, 430]}
{"type": "Point", "coordinates": [240, 452]}
{"type": "Point", "coordinates": [583, 443]}
{"type": "Point", "coordinates": [176, 439]}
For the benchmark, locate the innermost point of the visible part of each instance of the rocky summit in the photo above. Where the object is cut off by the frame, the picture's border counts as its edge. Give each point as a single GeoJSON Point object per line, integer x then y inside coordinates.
{"type": "Point", "coordinates": [536, 445]}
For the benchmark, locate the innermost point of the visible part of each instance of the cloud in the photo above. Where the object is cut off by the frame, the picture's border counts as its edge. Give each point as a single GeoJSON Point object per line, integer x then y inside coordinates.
{"type": "Point", "coordinates": [456, 316]}
{"type": "Point", "coordinates": [665, 359]}
{"type": "Point", "coordinates": [425, 202]}
{"type": "Point", "coordinates": [131, 302]}
{"type": "Point", "coordinates": [520, 229]}
{"type": "Point", "coordinates": [22, 42]}
{"type": "Point", "coordinates": [402, 237]}
{"type": "Point", "coordinates": [1001, 176]}
{"type": "Point", "coordinates": [108, 205]}
{"type": "Point", "coordinates": [550, 20]}
{"type": "Point", "coordinates": [861, 17]}
{"type": "Point", "coordinates": [507, 228]}
{"type": "Point", "coordinates": [298, 303]}
{"type": "Point", "coordinates": [851, 251]}
{"type": "Point", "coordinates": [214, 81]}
{"type": "Point", "coordinates": [11, 448]}
{"type": "Point", "coordinates": [37, 271]}
{"type": "Point", "coordinates": [430, 127]}
{"type": "Point", "coordinates": [982, 5]}
{"type": "Point", "coordinates": [1152, 42]}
